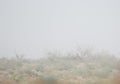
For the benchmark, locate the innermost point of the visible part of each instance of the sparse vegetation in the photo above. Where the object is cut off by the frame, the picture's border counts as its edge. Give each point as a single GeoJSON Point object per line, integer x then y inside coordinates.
{"type": "Point", "coordinates": [97, 68]}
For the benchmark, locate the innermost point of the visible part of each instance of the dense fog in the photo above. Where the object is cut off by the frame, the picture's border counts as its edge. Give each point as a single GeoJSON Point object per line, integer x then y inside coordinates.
{"type": "Point", "coordinates": [32, 27]}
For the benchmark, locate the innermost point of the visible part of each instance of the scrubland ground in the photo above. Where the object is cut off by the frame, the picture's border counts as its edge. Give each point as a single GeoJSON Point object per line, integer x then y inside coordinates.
{"type": "Point", "coordinates": [85, 68]}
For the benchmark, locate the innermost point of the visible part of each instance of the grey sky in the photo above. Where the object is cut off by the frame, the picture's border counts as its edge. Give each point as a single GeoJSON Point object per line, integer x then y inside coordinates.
{"type": "Point", "coordinates": [33, 26]}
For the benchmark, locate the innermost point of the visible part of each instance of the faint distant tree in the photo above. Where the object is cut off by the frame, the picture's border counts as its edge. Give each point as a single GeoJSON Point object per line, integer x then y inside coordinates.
{"type": "Point", "coordinates": [19, 56]}
{"type": "Point", "coordinates": [80, 52]}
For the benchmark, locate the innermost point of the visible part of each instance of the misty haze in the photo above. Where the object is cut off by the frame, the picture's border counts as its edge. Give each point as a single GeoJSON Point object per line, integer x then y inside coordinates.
{"type": "Point", "coordinates": [59, 42]}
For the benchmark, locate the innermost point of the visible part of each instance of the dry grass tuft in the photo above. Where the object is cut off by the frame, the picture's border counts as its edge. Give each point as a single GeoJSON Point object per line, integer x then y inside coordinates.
{"type": "Point", "coordinates": [5, 80]}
